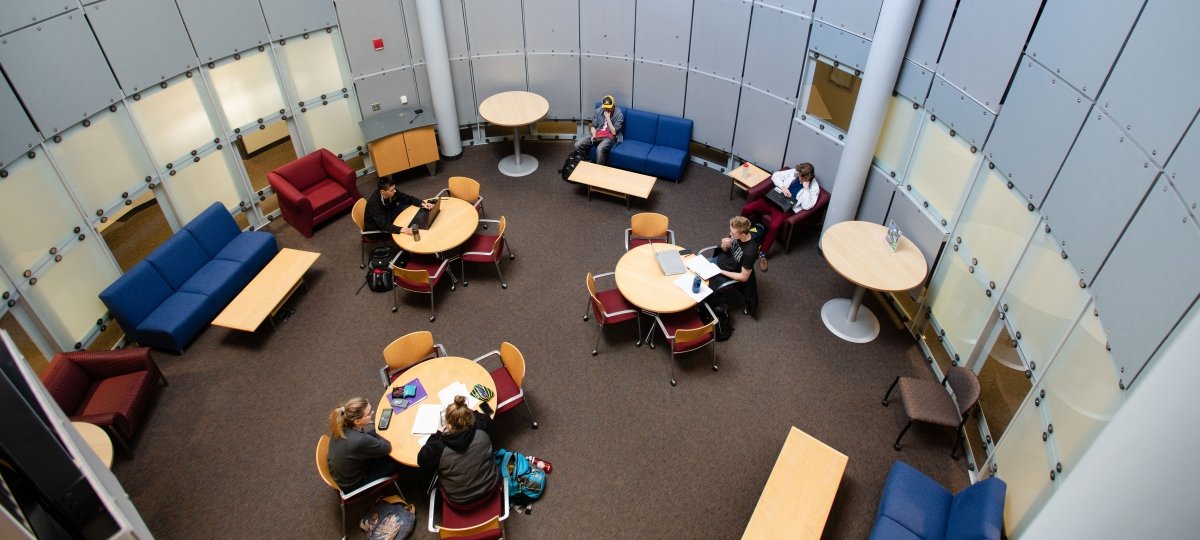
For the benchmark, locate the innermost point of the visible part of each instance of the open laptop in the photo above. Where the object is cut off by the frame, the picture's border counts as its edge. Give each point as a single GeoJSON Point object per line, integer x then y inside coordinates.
{"type": "Point", "coordinates": [424, 218]}
{"type": "Point", "coordinates": [669, 261]}
{"type": "Point", "coordinates": [784, 202]}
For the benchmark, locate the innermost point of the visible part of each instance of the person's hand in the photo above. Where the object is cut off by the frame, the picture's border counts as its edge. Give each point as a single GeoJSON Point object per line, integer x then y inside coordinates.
{"type": "Point", "coordinates": [427, 205]}
{"type": "Point", "coordinates": [406, 230]}
{"type": "Point", "coordinates": [725, 243]}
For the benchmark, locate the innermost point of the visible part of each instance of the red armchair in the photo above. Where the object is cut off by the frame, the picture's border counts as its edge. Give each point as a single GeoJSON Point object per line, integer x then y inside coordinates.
{"type": "Point", "coordinates": [111, 389]}
{"type": "Point", "coordinates": [814, 215]}
{"type": "Point", "coordinates": [313, 189]}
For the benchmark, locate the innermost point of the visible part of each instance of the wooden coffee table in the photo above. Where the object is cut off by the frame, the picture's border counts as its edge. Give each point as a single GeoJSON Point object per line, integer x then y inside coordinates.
{"type": "Point", "coordinates": [745, 177]}
{"type": "Point", "coordinates": [266, 293]}
{"type": "Point", "coordinates": [455, 223]}
{"type": "Point", "coordinates": [796, 501]}
{"type": "Point", "coordinates": [515, 109]}
{"type": "Point", "coordinates": [610, 181]}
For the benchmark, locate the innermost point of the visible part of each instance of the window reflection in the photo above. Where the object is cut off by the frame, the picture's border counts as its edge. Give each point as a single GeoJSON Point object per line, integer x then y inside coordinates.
{"type": "Point", "coordinates": [832, 94]}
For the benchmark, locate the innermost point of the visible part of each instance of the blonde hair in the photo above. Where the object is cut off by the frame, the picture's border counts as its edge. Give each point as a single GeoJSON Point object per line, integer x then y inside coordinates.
{"type": "Point", "coordinates": [344, 417]}
{"type": "Point", "coordinates": [740, 224]}
{"type": "Point", "coordinates": [460, 417]}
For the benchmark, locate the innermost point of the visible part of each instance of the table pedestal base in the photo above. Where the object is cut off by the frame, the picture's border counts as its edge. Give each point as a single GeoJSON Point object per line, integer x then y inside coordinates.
{"type": "Point", "coordinates": [850, 321]}
{"type": "Point", "coordinates": [518, 165]}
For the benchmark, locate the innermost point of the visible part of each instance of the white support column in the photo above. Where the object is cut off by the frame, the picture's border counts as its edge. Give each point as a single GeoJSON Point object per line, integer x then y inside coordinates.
{"type": "Point", "coordinates": [896, 19]}
{"type": "Point", "coordinates": [437, 64]}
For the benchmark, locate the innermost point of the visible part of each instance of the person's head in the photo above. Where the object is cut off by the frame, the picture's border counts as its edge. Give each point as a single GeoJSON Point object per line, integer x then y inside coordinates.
{"type": "Point", "coordinates": [608, 103]}
{"type": "Point", "coordinates": [353, 414]}
{"type": "Point", "coordinates": [739, 227]}
{"type": "Point", "coordinates": [387, 186]}
{"type": "Point", "coordinates": [459, 416]}
{"type": "Point", "coordinates": [804, 171]}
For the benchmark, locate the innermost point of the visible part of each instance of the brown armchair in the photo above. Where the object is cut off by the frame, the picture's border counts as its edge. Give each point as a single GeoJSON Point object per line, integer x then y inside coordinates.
{"type": "Point", "coordinates": [111, 389]}
{"type": "Point", "coordinates": [313, 189]}
{"type": "Point", "coordinates": [814, 215]}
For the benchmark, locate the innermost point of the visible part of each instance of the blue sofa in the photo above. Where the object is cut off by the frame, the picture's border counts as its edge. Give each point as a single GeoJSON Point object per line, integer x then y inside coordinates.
{"type": "Point", "coordinates": [168, 298]}
{"type": "Point", "coordinates": [916, 507]}
{"type": "Point", "coordinates": [654, 144]}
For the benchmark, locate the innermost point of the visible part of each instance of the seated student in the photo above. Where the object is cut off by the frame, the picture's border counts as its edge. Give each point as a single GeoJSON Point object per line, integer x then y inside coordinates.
{"type": "Point", "coordinates": [735, 259]}
{"type": "Point", "coordinates": [385, 205]}
{"type": "Point", "coordinates": [462, 454]}
{"type": "Point", "coordinates": [799, 183]}
{"type": "Point", "coordinates": [605, 130]}
{"type": "Point", "coordinates": [357, 455]}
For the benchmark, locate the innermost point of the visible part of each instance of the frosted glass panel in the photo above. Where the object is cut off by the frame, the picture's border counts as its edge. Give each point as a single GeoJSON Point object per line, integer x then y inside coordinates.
{"type": "Point", "coordinates": [941, 169]}
{"type": "Point", "coordinates": [174, 121]}
{"type": "Point", "coordinates": [1082, 390]}
{"type": "Point", "coordinates": [897, 136]}
{"type": "Point", "coordinates": [1024, 465]}
{"type": "Point", "coordinates": [38, 213]}
{"type": "Point", "coordinates": [311, 66]}
{"type": "Point", "coordinates": [331, 126]}
{"type": "Point", "coordinates": [198, 185]}
{"type": "Point", "coordinates": [995, 225]}
{"type": "Point", "coordinates": [66, 297]}
{"type": "Point", "coordinates": [247, 89]}
{"type": "Point", "coordinates": [111, 140]}
{"type": "Point", "coordinates": [1044, 298]}
{"type": "Point", "coordinates": [959, 305]}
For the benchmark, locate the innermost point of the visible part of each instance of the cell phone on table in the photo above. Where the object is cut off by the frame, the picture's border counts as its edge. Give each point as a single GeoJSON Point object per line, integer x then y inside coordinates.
{"type": "Point", "coordinates": [385, 418]}
{"type": "Point", "coordinates": [685, 252]}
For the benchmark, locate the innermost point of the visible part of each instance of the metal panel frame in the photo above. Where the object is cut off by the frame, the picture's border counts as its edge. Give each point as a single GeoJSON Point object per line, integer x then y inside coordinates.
{"type": "Point", "coordinates": [719, 35]}
{"type": "Point", "coordinates": [876, 197]}
{"type": "Point", "coordinates": [859, 16]}
{"type": "Point", "coordinates": [711, 104]}
{"type": "Point", "coordinates": [848, 49]}
{"type": "Point", "coordinates": [772, 64]}
{"type": "Point", "coordinates": [761, 129]}
{"type": "Point", "coordinates": [125, 27]}
{"type": "Point", "coordinates": [808, 144]}
{"type": "Point", "coordinates": [606, 28]}
{"type": "Point", "coordinates": [495, 74]}
{"type": "Point", "coordinates": [22, 13]}
{"type": "Point", "coordinates": [669, 38]}
{"type": "Point", "coordinates": [494, 27]}
{"type": "Point", "coordinates": [929, 33]}
{"type": "Point", "coordinates": [556, 78]}
{"type": "Point", "coordinates": [657, 87]}
{"type": "Point", "coordinates": [551, 26]}
{"type": "Point", "coordinates": [603, 75]}
{"type": "Point", "coordinates": [18, 136]}
{"type": "Point", "coordinates": [1067, 42]}
{"type": "Point", "coordinates": [968, 118]}
{"type": "Point", "coordinates": [914, 82]}
{"type": "Point", "coordinates": [1184, 168]}
{"type": "Point", "coordinates": [984, 46]}
{"type": "Point", "coordinates": [219, 28]}
{"type": "Point", "coordinates": [386, 89]}
{"type": "Point", "coordinates": [363, 21]}
{"type": "Point", "coordinates": [286, 18]}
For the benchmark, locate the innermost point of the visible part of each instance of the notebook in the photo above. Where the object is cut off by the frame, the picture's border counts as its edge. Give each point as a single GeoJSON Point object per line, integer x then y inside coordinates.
{"type": "Point", "coordinates": [424, 218]}
{"type": "Point", "coordinates": [669, 261]}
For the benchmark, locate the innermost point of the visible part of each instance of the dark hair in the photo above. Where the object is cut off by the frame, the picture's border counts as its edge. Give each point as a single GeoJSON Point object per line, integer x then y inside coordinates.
{"type": "Point", "coordinates": [805, 171]}
{"type": "Point", "coordinates": [386, 182]}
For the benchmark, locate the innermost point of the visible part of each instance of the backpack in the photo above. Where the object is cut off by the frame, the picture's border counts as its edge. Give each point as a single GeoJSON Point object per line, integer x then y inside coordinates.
{"type": "Point", "coordinates": [758, 231]}
{"type": "Point", "coordinates": [525, 483]}
{"type": "Point", "coordinates": [379, 271]}
{"type": "Point", "coordinates": [724, 321]}
{"type": "Point", "coordinates": [572, 161]}
{"type": "Point", "coordinates": [390, 518]}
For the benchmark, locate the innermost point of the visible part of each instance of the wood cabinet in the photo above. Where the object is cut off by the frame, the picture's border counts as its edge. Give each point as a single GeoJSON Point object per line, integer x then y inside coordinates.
{"type": "Point", "coordinates": [405, 150]}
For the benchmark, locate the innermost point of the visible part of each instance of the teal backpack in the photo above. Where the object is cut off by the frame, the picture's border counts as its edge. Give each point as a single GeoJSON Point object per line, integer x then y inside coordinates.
{"type": "Point", "coordinates": [525, 483]}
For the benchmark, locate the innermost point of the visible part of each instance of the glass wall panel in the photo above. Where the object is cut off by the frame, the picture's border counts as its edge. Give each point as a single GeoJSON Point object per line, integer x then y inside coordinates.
{"type": "Point", "coordinates": [38, 213]}
{"type": "Point", "coordinates": [995, 225]}
{"type": "Point", "coordinates": [1082, 390]}
{"type": "Point", "coordinates": [958, 303]}
{"type": "Point", "coordinates": [135, 230]}
{"type": "Point", "coordinates": [310, 65]}
{"type": "Point", "coordinates": [198, 185]}
{"type": "Point", "coordinates": [332, 126]}
{"type": "Point", "coordinates": [1003, 384]}
{"type": "Point", "coordinates": [103, 160]}
{"type": "Point", "coordinates": [942, 167]}
{"type": "Point", "coordinates": [1044, 298]}
{"type": "Point", "coordinates": [66, 299]}
{"type": "Point", "coordinates": [174, 121]}
{"type": "Point", "coordinates": [35, 358]}
{"type": "Point", "coordinates": [1023, 464]}
{"type": "Point", "coordinates": [832, 93]}
{"type": "Point", "coordinates": [246, 89]}
{"type": "Point", "coordinates": [897, 136]}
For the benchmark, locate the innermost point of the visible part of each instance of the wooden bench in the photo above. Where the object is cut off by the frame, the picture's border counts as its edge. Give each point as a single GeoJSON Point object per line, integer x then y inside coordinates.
{"type": "Point", "coordinates": [266, 293]}
{"type": "Point", "coordinates": [610, 181]}
{"type": "Point", "coordinates": [799, 493]}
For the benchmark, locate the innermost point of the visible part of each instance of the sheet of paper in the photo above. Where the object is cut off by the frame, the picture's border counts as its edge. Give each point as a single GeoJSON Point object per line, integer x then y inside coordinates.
{"type": "Point", "coordinates": [429, 419]}
{"type": "Point", "coordinates": [456, 388]}
{"type": "Point", "coordinates": [702, 266]}
{"type": "Point", "coordinates": [684, 282]}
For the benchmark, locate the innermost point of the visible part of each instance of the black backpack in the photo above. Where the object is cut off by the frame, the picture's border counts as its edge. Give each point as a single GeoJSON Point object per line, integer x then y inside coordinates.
{"type": "Point", "coordinates": [724, 321]}
{"type": "Point", "coordinates": [379, 271]}
{"type": "Point", "coordinates": [572, 161]}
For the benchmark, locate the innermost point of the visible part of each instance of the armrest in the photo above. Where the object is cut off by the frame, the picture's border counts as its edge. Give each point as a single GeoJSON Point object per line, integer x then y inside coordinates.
{"type": "Point", "coordinates": [445, 192]}
{"type": "Point", "coordinates": [487, 354]}
{"type": "Point", "coordinates": [103, 364]}
{"type": "Point", "coordinates": [663, 327]}
{"type": "Point", "coordinates": [441, 351]}
{"type": "Point", "coordinates": [760, 191]}
{"type": "Point", "coordinates": [709, 249]}
{"type": "Point", "coordinates": [339, 172]}
{"type": "Point", "coordinates": [112, 420]}
{"type": "Point", "coordinates": [289, 196]}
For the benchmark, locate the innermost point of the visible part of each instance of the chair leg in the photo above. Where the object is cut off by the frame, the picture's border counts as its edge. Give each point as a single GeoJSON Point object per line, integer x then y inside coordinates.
{"type": "Point", "coordinates": [529, 412]}
{"type": "Point", "coordinates": [787, 243]}
{"type": "Point", "coordinates": [889, 392]}
{"type": "Point", "coordinates": [596, 347]}
{"type": "Point", "coordinates": [714, 348]}
{"type": "Point", "coordinates": [503, 285]}
{"type": "Point", "coordinates": [395, 298]}
{"type": "Point", "coordinates": [120, 440]}
{"type": "Point", "coordinates": [587, 310]}
{"type": "Point", "coordinates": [896, 445]}
{"type": "Point", "coordinates": [462, 269]}
{"type": "Point", "coordinates": [344, 519]}
{"type": "Point", "coordinates": [638, 343]}
{"type": "Point", "coordinates": [432, 311]}
{"type": "Point", "coordinates": [958, 437]}
{"type": "Point", "coordinates": [672, 361]}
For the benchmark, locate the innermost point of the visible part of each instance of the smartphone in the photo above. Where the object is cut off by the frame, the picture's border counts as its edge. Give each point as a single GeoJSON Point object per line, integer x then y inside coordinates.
{"type": "Point", "coordinates": [385, 418]}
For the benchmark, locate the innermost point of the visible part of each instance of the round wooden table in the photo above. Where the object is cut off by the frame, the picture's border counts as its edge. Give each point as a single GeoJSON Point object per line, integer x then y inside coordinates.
{"type": "Point", "coordinates": [455, 223]}
{"type": "Point", "coordinates": [97, 439]}
{"type": "Point", "coordinates": [859, 251]}
{"type": "Point", "coordinates": [641, 281]}
{"type": "Point", "coordinates": [435, 374]}
{"type": "Point", "coordinates": [515, 109]}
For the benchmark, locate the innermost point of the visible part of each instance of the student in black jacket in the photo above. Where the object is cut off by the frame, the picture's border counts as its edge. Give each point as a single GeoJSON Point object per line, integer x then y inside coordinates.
{"type": "Point", "coordinates": [385, 204]}
{"type": "Point", "coordinates": [462, 454]}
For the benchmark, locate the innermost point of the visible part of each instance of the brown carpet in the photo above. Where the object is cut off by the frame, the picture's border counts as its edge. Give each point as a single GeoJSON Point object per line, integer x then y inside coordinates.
{"type": "Point", "coordinates": [228, 450]}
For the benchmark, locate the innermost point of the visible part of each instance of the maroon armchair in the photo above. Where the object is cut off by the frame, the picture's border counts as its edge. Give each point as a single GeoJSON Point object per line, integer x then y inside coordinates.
{"type": "Point", "coordinates": [111, 389]}
{"type": "Point", "coordinates": [813, 215]}
{"type": "Point", "coordinates": [313, 189]}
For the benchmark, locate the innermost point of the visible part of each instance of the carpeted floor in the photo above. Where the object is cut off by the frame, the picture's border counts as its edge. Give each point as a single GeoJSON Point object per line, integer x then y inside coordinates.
{"type": "Point", "coordinates": [228, 450]}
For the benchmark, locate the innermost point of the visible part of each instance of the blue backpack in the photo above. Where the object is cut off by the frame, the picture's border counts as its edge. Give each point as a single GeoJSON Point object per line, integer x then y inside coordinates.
{"type": "Point", "coordinates": [525, 483]}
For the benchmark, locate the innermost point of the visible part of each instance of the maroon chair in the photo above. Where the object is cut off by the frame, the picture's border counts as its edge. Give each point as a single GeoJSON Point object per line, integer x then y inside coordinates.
{"type": "Point", "coordinates": [111, 389]}
{"type": "Point", "coordinates": [486, 249]}
{"type": "Point", "coordinates": [313, 189]}
{"type": "Point", "coordinates": [814, 215]}
{"type": "Point", "coordinates": [479, 520]}
{"type": "Point", "coordinates": [509, 379]}
{"type": "Point", "coordinates": [421, 275]}
{"type": "Point", "coordinates": [686, 333]}
{"type": "Point", "coordinates": [610, 307]}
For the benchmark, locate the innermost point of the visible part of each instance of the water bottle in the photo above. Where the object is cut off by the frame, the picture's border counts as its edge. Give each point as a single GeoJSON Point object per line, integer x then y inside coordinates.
{"type": "Point", "coordinates": [416, 233]}
{"type": "Point", "coordinates": [745, 170]}
{"type": "Point", "coordinates": [696, 285]}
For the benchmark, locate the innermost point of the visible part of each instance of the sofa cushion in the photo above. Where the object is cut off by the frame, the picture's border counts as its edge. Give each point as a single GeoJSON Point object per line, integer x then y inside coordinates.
{"type": "Point", "coordinates": [305, 172]}
{"type": "Point", "coordinates": [134, 295]}
{"type": "Point", "coordinates": [67, 382]}
{"type": "Point", "coordinates": [176, 321]}
{"type": "Point", "coordinates": [640, 126]}
{"type": "Point", "coordinates": [325, 196]}
{"type": "Point", "coordinates": [886, 529]}
{"type": "Point", "coordinates": [977, 511]}
{"type": "Point", "coordinates": [118, 394]}
{"type": "Point", "coordinates": [674, 132]}
{"type": "Point", "coordinates": [630, 155]}
{"type": "Point", "coordinates": [253, 249]}
{"type": "Point", "coordinates": [219, 280]}
{"type": "Point", "coordinates": [213, 228]}
{"type": "Point", "coordinates": [666, 162]}
{"type": "Point", "coordinates": [915, 501]}
{"type": "Point", "coordinates": [177, 259]}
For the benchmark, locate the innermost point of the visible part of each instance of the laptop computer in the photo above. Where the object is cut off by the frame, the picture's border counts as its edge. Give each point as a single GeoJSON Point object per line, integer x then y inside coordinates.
{"type": "Point", "coordinates": [669, 261]}
{"type": "Point", "coordinates": [424, 218]}
{"type": "Point", "coordinates": [784, 202]}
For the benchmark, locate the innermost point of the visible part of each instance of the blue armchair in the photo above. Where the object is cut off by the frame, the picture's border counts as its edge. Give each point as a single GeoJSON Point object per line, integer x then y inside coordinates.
{"type": "Point", "coordinates": [914, 506]}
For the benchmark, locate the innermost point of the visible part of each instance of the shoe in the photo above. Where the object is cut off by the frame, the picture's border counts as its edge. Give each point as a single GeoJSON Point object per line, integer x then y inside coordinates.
{"type": "Point", "coordinates": [762, 263]}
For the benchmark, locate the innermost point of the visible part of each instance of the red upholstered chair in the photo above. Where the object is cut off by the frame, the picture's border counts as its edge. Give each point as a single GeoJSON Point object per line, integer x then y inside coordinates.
{"type": "Point", "coordinates": [480, 520]}
{"type": "Point", "coordinates": [421, 275]}
{"type": "Point", "coordinates": [313, 189]}
{"type": "Point", "coordinates": [610, 307]}
{"type": "Point", "coordinates": [814, 215]}
{"type": "Point", "coordinates": [509, 379]}
{"type": "Point", "coordinates": [687, 333]}
{"type": "Point", "coordinates": [486, 248]}
{"type": "Point", "coordinates": [111, 389]}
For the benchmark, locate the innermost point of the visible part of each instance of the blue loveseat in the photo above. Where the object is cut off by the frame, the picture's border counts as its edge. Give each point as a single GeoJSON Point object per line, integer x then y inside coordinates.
{"type": "Point", "coordinates": [916, 507]}
{"type": "Point", "coordinates": [654, 144]}
{"type": "Point", "coordinates": [168, 298]}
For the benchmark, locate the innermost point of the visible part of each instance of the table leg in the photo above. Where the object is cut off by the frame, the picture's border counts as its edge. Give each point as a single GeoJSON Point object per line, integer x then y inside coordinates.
{"type": "Point", "coordinates": [516, 164]}
{"type": "Point", "coordinates": [847, 319]}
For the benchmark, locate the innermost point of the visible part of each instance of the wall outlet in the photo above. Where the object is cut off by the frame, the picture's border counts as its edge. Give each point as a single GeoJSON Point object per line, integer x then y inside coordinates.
{"type": "Point", "coordinates": [404, 100]}
{"type": "Point", "coordinates": [374, 106]}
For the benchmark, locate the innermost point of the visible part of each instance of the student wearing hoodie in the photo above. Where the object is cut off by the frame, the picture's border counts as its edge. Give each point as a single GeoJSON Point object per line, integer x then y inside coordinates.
{"type": "Point", "coordinates": [462, 454]}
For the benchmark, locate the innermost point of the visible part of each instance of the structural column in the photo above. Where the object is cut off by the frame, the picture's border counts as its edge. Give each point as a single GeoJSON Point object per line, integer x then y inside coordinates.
{"type": "Point", "coordinates": [896, 19]}
{"type": "Point", "coordinates": [437, 64]}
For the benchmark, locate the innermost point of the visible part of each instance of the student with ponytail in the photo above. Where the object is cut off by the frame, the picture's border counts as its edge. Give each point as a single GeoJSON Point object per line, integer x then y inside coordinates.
{"type": "Point", "coordinates": [462, 454]}
{"type": "Point", "coordinates": [357, 455]}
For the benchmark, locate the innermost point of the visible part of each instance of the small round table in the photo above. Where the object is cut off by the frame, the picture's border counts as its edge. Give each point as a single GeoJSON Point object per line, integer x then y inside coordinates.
{"type": "Point", "coordinates": [455, 223]}
{"type": "Point", "coordinates": [515, 109]}
{"type": "Point", "coordinates": [435, 374]}
{"type": "Point", "coordinates": [97, 439]}
{"type": "Point", "coordinates": [641, 281]}
{"type": "Point", "coordinates": [859, 251]}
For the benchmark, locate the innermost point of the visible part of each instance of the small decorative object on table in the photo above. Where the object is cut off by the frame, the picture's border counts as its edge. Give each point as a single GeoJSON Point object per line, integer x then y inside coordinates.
{"type": "Point", "coordinates": [893, 235]}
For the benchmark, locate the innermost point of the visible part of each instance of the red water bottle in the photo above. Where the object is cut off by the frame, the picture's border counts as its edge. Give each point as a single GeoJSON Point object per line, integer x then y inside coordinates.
{"type": "Point", "coordinates": [540, 463]}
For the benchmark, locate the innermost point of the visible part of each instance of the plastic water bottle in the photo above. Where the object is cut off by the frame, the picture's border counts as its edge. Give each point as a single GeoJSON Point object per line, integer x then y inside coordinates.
{"type": "Point", "coordinates": [745, 170]}
{"type": "Point", "coordinates": [696, 285]}
{"type": "Point", "coordinates": [416, 233]}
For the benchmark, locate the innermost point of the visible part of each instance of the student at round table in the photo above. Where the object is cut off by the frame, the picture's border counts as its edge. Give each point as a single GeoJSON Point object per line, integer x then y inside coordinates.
{"type": "Point", "coordinates": [357, 455]}
{"type": "Point", "coordinates": [462, 454]}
